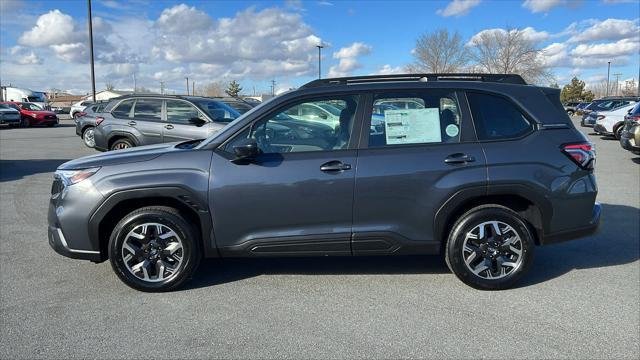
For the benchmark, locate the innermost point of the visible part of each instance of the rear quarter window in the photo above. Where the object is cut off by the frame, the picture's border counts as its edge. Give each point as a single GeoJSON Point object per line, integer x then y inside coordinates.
{"type": "Point", "coordinates": [496, 118]}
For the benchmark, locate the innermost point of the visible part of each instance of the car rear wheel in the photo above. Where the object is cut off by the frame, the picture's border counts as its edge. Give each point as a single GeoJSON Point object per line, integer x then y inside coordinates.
{"type": "Point", "coordinates": [154, 249]}
{"type": "Point", "coordinates": [122, 144]}
{"type": "Point", "coordinates": [617, 132]}
{"type": "Point", "coordinates": [490, 248]}
{"type": "Point", "coordinates": [88, 137]}
{"type": "Point", "coordinates": [25, 122]}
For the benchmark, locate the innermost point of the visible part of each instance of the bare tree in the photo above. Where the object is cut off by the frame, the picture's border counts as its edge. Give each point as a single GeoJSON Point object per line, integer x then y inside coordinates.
{"type": "Point", "coordinates": [630, 88]}
{"type": "Point", "coordinates": [439, 52]}
{"type": "Point", "coordinates": [213, 89]}
{"type": "Point", "coordinates": [599, 89]}
{"type": "Point", "coordinates": [509, 52]}
{"type": "Point", "coordinates": [109, 85]}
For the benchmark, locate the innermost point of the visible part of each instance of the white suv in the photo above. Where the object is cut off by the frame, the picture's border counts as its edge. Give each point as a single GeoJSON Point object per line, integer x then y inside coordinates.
{"type": "Point", "coordinates": [79, 107]}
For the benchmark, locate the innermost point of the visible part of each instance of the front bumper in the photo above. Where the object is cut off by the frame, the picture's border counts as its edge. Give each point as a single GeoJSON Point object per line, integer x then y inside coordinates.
{"type": "Point", "coordinates": [589, 229]}
{"type": "Point", "coordinates": [10, 121]}
{"type": "Point", "coordinates": [69, 210]}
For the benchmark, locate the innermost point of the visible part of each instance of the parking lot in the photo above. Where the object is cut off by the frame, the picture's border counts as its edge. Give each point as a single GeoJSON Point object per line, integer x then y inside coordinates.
{"type": "Point", "coordinates": [580, 299]}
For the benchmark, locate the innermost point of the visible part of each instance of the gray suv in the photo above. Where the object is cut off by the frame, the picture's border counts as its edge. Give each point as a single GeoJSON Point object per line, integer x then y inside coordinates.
{"type": "Point", "coordinates": [136, 120]}
{"type": "Point", "coordinates": [482, 169]}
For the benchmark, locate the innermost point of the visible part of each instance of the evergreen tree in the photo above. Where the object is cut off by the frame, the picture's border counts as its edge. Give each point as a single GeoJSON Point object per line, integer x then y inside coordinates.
{"type": "Point", "coordinates": [575, 91]}
{"type": "Point", "coordinates": [233, 89]}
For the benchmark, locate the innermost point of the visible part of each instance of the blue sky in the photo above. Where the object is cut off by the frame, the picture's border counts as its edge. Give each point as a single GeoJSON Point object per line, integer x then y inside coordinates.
{"type": "Point", "coordinates": [43, 43]}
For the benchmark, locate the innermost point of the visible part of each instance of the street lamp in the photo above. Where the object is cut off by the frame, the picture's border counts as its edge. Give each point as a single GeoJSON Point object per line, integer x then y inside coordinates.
{"type": "Point", "coordinates": [319, 46]}
{"type": "Point", "coordinates": [608, 71]}
{"type": "Point", "coordinates": [93, 76]}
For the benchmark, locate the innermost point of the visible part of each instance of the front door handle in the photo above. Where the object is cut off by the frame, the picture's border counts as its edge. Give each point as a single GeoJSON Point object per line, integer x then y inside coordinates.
{"type": "Point", "coordinates": [333, 166]}
{"type": "Point", "coordinates": [132, 123]}
{"type": "Point", "coordinates": [168, 126]}
{"type": "Point", "coordinates": [459, 158]}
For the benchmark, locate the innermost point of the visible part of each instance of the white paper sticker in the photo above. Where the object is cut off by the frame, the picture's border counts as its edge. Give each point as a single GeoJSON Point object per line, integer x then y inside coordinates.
{"type": "Point", "coordinates": [412, 126]}
{"type": "Point", "coordinates": [452, 130]}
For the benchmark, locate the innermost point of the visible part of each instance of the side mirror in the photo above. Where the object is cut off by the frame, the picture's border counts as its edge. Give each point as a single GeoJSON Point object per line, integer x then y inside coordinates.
{"type": "Point", "coordinates": [246, 151]}
{"type": "Point", "coordinates": [197, 121]}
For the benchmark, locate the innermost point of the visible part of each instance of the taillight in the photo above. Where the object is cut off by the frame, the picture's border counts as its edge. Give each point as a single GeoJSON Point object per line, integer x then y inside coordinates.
{"type": "Point", "coordinates": [634, 117]}
{"type": "Point", "coordinates": [99, 120]}
{"type": "Point", "coordinates": [81, 114]}
{"type": "Point", "coordinates": [583, 154]}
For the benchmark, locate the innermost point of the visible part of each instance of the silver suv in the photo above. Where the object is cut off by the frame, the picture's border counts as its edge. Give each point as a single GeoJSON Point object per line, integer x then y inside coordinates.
{"type": "Point", "coordinates": [136, 120]}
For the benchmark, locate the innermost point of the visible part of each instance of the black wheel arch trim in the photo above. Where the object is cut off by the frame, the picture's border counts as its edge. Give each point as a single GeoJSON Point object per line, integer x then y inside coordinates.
{"type": "Point", "coordinates": [183, 195]}
{"type": "Point", "coordinates": [467, 195]}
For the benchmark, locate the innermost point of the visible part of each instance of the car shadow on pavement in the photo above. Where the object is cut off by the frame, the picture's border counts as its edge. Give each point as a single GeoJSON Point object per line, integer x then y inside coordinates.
{"type": "Point", "coordinates": [11, 170]}
{"type": "Point", "coordinates": [614, 244]}
{"type": "Point", "coordinates": [219, 271]}
{"type": "Point", "coordinates": [636, 160]}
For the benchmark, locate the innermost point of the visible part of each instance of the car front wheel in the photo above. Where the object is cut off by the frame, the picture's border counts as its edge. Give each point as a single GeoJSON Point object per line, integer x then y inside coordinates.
{"type": "Point", "coordinates": [121, 144]}
{"type": "Point", "coordinates": [490, 248]}
{"type": "Point", "coordinates": [154, 249]}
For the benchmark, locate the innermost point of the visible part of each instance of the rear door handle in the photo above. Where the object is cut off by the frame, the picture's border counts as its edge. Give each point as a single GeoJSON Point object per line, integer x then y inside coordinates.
{"type": "Point", "coordinates": [459, 158]}
{"type": "Point", "coordinates": [333, 166]}
{"type": "Point", "coordinates": [168, 126]}
{"type": "Point", "coordinates": [132, 123]}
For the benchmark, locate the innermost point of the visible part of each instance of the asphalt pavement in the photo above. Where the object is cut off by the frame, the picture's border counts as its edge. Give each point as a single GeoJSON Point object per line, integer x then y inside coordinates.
{"type": "Point", "coordinates": [580, 299]}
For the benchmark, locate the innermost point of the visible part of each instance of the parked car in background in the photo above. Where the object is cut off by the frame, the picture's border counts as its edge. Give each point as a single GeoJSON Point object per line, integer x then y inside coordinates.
{"type": "Point", "coordinates": [571, 108]}
{"type": "Point", "coordinates": [611, 122]}
{"type": "Point", "coordinates": [461, 181]}
{"type": "Point", "coordinates": [589, 117]}
{"type": "Point", "coordinates": [135, 120]}
{"type": "Point", "coordinates": [88, 120]}
{"type": "Point", "coordinates": [324, 113]}
{"type": "Point", "coordinates": [581, 107]}
{"type": "Point", "coordinates": [630, 136]}
{"type": "Point", "coordinates": [9, 115]}
{"type": "Point", "coordinates": [240, 105]}
{"type": "Point", "coordinates": [78, 108]}
{"type": "Point", "coordinates": [32, 114]}
{"type": "Point", "coordinates": [61, 109]}
{"type": "Point", "coordinates": [607, 104]}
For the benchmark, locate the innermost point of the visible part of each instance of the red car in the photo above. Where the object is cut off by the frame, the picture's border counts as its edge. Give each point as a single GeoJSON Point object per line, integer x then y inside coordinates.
{"type": "Point", "coordinates": [32, 114]}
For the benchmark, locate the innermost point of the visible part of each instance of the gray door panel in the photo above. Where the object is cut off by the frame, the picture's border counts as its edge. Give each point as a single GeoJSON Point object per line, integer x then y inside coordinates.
{"type": "Point", "coordinates": [285, 201]}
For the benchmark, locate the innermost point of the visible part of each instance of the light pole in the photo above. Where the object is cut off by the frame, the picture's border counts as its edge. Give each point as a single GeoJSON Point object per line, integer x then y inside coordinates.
{"type": "Point", "coordinates": [608, 71]}
{"type": "Point", "coordinates": [187, 85]}
{"type": "Point", "coordinates": [93, 75]}
{"type": "Point", "coordinates": [319, 46]}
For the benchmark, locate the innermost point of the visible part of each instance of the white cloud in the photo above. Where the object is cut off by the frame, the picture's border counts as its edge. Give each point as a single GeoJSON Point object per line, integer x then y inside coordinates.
{"type": "Point", "coordinates": [182, 19]}
{"type": "Point", "coordinates": [458, 8]}
{"type": "Point", "coordinates": [51, 28]}
{"type": "Point", "coordinates": [71, 52]}
{"type": "Point", "coordinates": [23, 56]}
{"type": "Point", "coordinates": [387, 69]}
{"type": "Point", "coordinates": [609, 29]}
{"type": "Point", "coordinates": [348, 59]}
{"type": "Point", "coordinates": [544, 6]}
{"type": "Point", "coordinates": [608, 50]}
{"type": "Point", "coordinates": [555, 55]}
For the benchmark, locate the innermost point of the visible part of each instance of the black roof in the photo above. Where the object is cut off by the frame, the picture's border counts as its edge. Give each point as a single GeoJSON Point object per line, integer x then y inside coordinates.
{"type": "Point", "coordinates": [494, 78]}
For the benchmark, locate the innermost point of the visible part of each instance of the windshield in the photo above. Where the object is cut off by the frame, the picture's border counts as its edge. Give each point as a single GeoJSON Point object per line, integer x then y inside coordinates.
{"type": "Point", "coordinates": [34, 98]}
{"type": "Point", "coordinates": [218, 111]}
{"type": "Point", "coordinates": [32, 107]}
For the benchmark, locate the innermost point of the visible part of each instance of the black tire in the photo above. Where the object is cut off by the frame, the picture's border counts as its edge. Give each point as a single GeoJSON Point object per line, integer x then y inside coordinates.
{"type": "Point", "coordinates": [470, 220]}
{"type": "Point", "coordinates": [122, 143]}
{"type": "Point", "coordinates": [617, 132]}
{"type": "Point", "coordinates": [25, 122]}
{"type": "Point", "coordinates": [171, 218]}
{"type": "Point", "coordinates": [570, 113]}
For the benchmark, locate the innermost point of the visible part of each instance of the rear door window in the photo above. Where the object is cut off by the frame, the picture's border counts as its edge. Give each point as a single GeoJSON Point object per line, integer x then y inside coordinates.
{"type": "Point", "coordinates": [148, 109]}
{"type": "Point", "coordinates": [123, 110]}
{"type": "Point", "coordinates": [424, 117]}
{"type": "Point", "coordinates": [496, 118]}
{"type": "Point", "coordinates": [181, 112]}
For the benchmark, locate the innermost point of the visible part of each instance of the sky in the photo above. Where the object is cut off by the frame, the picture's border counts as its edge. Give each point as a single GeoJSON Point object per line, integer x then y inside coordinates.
{"type": "Point", "coordinates": [44, 44]}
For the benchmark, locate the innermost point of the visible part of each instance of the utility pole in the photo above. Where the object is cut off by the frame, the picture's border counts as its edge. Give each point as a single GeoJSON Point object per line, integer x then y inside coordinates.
{"type": "Point", "coordinates": [161, 87]}
{"type": "Point", "coordinates": [93, 75]}
{"type": "Point", "coordinates": [319, 46]}
{"type": "Point", "coordinates": [608, 71]}
{"type": "Point", "coordinates": [135, 85]}
{"type": "Point", "coordinates": [273, 87]}
{"type": "Point", "coordinates": [617, 75]}
{"type": "Point", "coordinates": [187, 85]}
{"type": "Point", "coordinates": [193, 87]}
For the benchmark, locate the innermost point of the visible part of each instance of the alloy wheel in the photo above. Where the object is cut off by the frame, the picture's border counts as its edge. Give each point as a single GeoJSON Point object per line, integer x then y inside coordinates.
{"type": "Point", "coordinates": [492, 250]}
{"type": "Point", "coordinates": [121, 146]}
{"type": "Point", "coordinates": [153, 252]}
{"type": "Point", "coordinates": [88, 138]}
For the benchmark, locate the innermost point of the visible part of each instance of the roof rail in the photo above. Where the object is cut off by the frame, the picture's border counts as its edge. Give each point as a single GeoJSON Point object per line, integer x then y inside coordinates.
{"type": "Point", "coordinates": [498, 78]}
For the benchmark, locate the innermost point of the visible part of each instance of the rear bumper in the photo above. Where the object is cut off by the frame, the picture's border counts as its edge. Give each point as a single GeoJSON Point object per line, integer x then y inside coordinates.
{"type": "Point", "coordinates": [589, 229]}
{"type": "Point", "coordinates": [601, 129]}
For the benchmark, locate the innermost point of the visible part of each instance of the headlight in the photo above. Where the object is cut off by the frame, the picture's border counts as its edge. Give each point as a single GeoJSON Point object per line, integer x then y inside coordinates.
{"type": "Point", "coordinates": [70, 177]}
{"type": "Point", "coordinates": [34, 115]}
